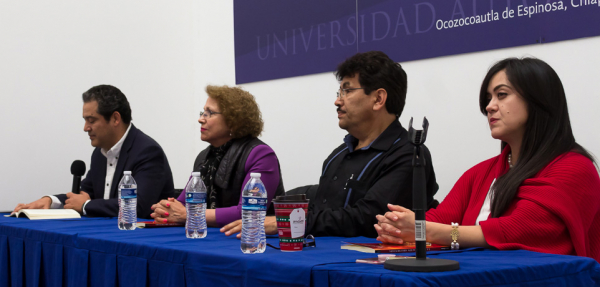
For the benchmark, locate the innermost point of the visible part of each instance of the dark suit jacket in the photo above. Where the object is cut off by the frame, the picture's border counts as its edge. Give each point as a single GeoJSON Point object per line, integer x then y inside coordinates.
{"type": "Point", "coordinates": [149, 167]}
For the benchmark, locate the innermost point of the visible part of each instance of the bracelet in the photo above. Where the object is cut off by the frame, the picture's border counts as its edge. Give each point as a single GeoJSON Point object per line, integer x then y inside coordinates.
{"type": "Point", "coordinates": [454, 234]}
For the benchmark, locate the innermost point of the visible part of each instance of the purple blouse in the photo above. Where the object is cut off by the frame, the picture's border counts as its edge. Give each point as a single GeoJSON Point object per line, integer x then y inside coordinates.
{"type": "Point", "coordinates": [262, 159]}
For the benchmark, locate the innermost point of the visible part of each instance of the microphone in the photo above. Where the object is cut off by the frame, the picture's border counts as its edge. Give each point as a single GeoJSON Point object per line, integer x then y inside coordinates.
{"type": "Point", "coordinates": [77, 170]}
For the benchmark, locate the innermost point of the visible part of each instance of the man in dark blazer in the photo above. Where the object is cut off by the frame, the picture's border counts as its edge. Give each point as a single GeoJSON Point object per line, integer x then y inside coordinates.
{"type": "Point", "coordinates": [120, 147]}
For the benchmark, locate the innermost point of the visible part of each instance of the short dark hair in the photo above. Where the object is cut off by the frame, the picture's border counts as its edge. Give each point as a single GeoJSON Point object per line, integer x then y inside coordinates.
{"type": "Point", "coordinates": [377, 71]}
{"type": "Point", "coordinates": [548, 132]}
{"type": "Point", "coordinates": [110, 100]}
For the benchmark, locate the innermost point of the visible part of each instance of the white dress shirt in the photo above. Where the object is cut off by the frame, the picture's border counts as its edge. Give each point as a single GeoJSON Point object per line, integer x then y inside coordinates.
{"type": "Point", "coordinates": [112, 157]}
{"type": "Point", "coordinates": [486, 208]}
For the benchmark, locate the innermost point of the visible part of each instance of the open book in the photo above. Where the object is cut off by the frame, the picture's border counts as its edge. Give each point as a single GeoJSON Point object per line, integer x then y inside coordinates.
{"type": "Point", "coordinates": [46, 213]}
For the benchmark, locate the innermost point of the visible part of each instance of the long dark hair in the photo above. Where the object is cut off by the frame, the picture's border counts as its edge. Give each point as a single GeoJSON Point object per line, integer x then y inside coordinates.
{"type": "Point", "coordinates": [548, 131]}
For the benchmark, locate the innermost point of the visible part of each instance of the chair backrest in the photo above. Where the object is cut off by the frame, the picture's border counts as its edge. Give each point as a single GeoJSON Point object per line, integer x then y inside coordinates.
{"type": "Point", "coordinates": [177, 192]}
{"type": "Point", "coordinates": [309, 190]}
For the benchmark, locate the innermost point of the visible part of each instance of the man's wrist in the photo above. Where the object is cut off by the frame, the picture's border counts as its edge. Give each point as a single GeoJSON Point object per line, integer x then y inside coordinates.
{"type": "Point", "coordinates": [48, 199]}
{"type": "Point", "coordinates": [54, 203]}
{"type": "Point", "coordinates": [83, 206]}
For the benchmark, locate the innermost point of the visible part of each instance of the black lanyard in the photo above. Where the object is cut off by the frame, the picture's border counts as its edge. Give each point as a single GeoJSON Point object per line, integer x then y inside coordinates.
{"type": "Point", "coordinates": [309, 241]}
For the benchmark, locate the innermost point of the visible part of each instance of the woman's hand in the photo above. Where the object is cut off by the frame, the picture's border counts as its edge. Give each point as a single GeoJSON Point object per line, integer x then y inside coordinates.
{"type": "Point", "coordinates": [396, 226]}
{"type": "Point", "coordinates": [169, 210]}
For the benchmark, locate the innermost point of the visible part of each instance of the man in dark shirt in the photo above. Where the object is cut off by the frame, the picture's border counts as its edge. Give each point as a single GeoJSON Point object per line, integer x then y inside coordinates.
{"type": "Point", "coordinates": [373, 167]}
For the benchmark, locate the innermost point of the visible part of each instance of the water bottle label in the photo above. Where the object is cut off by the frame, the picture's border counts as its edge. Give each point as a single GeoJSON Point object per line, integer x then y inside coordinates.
{"type": "Point", "coordinates": [128, 193]}
{"type": "Point", "coordinates": [195, 197]}
{"type": "Point", "coordinates": [253, 203]}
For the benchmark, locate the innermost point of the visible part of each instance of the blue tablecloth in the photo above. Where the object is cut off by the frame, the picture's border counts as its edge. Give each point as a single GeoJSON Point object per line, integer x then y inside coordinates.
{"type": "Point", "coordinates": [94, 252]}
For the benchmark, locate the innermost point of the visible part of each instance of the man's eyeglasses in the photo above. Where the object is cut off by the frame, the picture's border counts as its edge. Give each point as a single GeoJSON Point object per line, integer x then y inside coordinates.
{"type": "Point", "coordinates": [343, 92]}
{"type": "Point", "coordinates": [208, 113]}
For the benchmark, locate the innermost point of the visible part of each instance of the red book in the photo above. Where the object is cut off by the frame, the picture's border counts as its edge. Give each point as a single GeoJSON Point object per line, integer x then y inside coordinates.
{"type": "Point", "coordinates": [390, 248]}
{"type": "Point", "coordinates": [152, 224]}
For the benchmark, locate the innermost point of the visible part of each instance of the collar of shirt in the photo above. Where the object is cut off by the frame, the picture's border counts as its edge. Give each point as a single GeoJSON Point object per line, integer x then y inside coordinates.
{"type": "Point", "coordinates": [114, 151]}
{"type": "Point", "coordinates": [383, 142]}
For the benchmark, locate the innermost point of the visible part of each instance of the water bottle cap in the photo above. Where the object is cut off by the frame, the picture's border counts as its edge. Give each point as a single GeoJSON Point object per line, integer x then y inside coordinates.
{"type": "Point", "coordinates": [127, 172]}
{"type": "Point", "coordinates": [255, 174]}
{"type": "Point", "coordinates": [196, 174]}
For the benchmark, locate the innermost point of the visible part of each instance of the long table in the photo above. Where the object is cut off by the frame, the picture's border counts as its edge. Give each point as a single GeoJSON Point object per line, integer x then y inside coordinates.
{"type": "Point", "coordinates": [94, 252]}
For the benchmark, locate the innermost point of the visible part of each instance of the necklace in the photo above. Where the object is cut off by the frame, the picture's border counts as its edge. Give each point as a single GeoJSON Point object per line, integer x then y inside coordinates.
{"type": "Point", "coordinates": [510, 161]}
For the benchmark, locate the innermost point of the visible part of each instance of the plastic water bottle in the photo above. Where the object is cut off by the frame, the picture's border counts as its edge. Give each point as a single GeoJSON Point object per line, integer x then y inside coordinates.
{"type": "Point", "coordinates": [195, 204]}
{"type": "Point", "coordinates": [127, 202]}
{"type": "Point", "coordinates": [254, 209]}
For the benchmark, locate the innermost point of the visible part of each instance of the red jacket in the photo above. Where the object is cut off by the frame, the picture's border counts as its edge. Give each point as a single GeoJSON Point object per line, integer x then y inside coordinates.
{"type": "Point", "coordinates": [556, 211]}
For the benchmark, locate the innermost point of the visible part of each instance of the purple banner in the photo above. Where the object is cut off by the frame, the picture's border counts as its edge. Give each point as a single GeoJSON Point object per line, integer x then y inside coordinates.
{"type": "Point", "coordinates": [279, 39]}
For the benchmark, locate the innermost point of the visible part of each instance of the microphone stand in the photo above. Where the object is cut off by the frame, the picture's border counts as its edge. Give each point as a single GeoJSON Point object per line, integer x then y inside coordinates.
{"type": "Point", "coordinates": [420, 263]}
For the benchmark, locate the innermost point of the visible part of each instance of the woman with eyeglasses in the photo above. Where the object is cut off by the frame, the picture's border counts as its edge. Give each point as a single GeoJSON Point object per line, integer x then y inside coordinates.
{"type": "Point", "coordinates": [230, 123]}
{"type": "Point", "coordinates": [542, 193]}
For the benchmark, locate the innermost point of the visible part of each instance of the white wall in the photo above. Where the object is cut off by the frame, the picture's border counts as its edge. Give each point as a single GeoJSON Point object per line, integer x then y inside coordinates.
{"type": "Point", "coordinates": [301, 122]}
{"type": "Point", "coordinates": [53, 51]}
{"type": "Point", "coordinates": [163, 53]}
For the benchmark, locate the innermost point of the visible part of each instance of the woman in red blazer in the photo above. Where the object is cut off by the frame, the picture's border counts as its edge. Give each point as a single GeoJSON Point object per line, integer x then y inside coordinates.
{"type": "Point", "coordinates": [542, 193]}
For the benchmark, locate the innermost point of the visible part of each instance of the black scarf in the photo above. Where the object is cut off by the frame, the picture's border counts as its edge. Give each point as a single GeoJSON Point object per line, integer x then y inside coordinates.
{"type": "Point", "coordinates": [208, 171]}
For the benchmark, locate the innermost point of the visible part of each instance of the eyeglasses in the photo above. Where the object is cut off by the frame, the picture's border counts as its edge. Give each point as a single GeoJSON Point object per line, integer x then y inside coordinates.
{"type": "Point", "coordinates": [208, 113]}
{"type": "Point", "coordinates": [343, 92]}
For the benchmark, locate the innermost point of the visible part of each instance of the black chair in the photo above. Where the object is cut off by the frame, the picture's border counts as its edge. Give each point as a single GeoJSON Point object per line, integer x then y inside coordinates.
{"type": "Point", "coordinates": [311, 193]}
{"type": "Point", "coordinates": [309, 190]}
{"type": "Point", "coordinates": [434, 204]}
{"type": "Point", "coordinates": [177, 192]}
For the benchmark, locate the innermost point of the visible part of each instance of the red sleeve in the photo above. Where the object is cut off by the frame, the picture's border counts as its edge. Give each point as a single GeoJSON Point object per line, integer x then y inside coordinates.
{"type": "Point", "coordinates": [467, 194]}
{"type": "Point", "coordinates": [528, 226]}
{"type": "Point", "coordinates": [553, 212]}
